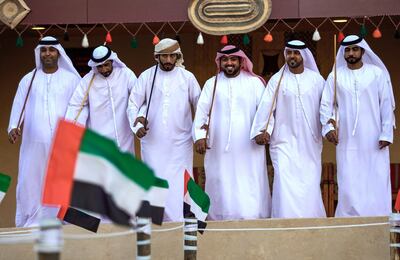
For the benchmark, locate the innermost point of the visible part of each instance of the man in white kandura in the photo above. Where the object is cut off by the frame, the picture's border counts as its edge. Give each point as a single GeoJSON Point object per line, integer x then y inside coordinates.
{"type": "Point", "coordinates": [101, 98]}
{"type": "Point", "coordinates": [41, 100]}
{"type": "Point", "coordinates": [290, 106]}
{"type": "Point", "coordinates": [160, 114]}
{"type": "Point", "coordinates": [361, 127]}
{"type": "Point", "coordinates": [235, 166]}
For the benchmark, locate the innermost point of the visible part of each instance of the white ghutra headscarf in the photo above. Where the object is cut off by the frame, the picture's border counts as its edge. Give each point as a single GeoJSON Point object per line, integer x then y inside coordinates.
{"type": "Point", "coordinates": [101, 54]}
{"type": "Point", "coordinates": [63, 60]}
{"type": "Point", "coordinates": [170, 46]}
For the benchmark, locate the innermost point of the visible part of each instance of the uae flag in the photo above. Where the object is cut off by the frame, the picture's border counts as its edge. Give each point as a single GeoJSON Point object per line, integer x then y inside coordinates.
{"type": "Point", "coordinates": [196, 202]}
{"type": "Point", "coordinates": [5, 181]}
{"type": "Point", "coordinates": [87, 171]}
{"type": "Point", "coordinates": [79, 218]}
{"type": "Point", "coordinates": [154, 202]}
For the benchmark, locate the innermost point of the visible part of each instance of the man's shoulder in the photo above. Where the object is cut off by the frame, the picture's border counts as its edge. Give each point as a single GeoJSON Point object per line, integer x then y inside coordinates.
{"type": "Point", "coordinates": [185, 72]}
{"type": "Point", "coordinates": [67, 73]}
{"type": "Point", "coordinates": [147, 71]}
{"type": "Point", "coordinates": [126, 71]}
{"type": "Point", "coordinates": [254, 79]}
{"type": "Point", "coordinates": [312, 73]}
{"type": "Point", "coordinates": [28, 75]}
{"type": "Point", "coordinates": [88, 76]}
{"type": "Point", "coordinates": [211, 80]}
{"type": "Point", "coordinates": [372, 67]}
{"type": "Point", "coordinates": [276, 77]}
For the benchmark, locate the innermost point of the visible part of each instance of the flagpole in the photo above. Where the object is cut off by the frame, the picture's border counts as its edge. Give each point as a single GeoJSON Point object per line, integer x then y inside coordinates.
{"type": "Point", "coordinates": [85, 98]}
{"type": "Point", "coordinates": [49, 244]}
{"type": "Point", "coordinates": [211, 107]}
{"type": "Point", "coordinates": [190, 238]}
{"type": "Point", "coordinates": [26, 99]}
{"type": "Point", "coordinates": [275, 98]}
{"type": "Point", "coordinates": [151, 94]}
{"type": "Point", "coordinates": [335, 84]}
{"type": "Point", "coordinates": [143, 238]}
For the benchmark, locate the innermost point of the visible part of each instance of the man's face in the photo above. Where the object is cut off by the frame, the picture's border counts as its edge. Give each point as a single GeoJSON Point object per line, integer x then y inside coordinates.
{"type": "Point", "coordinates": [293, 58]}
{"type": "Point", "coordinates": [167, 61]}
{"type": "Point", "coordinates": [353, 54]}
{"type": "Point", "coordinates": [230, 65]}
{"type": "Point", "coordinates": [106, 68]}
{"type": "Point", "coordinates": [49, 56]}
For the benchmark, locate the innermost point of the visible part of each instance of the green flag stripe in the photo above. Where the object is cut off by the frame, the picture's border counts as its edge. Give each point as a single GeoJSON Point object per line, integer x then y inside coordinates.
{"type": "Point", "coordinates": [198, 196]}
{"type": "Point", "coordinates": [5, 181]}
{"type": "Point", "coordinates": [132, 168]}
{"type": "Point", "coordinates": [161, 183]}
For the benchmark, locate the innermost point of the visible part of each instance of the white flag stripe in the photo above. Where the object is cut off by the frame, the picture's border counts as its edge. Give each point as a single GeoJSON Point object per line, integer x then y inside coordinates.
{"type": "Point", "coordinates": [195, 209]}
{"type": "Point", "coordinates": [96, 170]}
{"type": "Point", "coordinates": [2, 194]}
{"type": "Point", "coordinates": [157, 196]}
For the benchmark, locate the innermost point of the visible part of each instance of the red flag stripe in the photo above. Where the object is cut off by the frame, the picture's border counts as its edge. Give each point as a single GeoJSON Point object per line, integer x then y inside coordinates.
{"type": "Point", "coordinates": [62, 212]}
{"type": "Point", "coordinates": [187, 178]}
{"type": "Point", "coordinates": [61, 166]}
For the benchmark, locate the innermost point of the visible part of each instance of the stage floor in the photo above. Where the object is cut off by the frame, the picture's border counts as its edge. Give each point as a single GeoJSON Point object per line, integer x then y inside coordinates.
{"type": "Point", "coordinates": [330, 238]}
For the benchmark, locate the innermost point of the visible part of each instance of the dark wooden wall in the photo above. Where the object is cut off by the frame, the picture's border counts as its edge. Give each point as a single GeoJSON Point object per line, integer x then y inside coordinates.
{"type": "Point", "coordinates": [130, 11]}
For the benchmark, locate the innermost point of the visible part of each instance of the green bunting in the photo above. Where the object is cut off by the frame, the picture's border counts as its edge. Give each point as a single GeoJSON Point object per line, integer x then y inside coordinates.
{"type": "Point", "coordinates": [363, 31]}
{"type": "Point", "coordinates": [134, 43]}
{"type": "Point", "coordinates": [20, 42]}
{"type": "Point", "coordinates": [246, 39]}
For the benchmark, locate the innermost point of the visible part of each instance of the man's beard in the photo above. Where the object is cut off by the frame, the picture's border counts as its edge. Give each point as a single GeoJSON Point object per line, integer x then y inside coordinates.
{"type": "Point", "coordinates": [49, 62]}
{"type": "Point", "coordinates": [352, 60]}
{"type": "Point", "coordinates": [167, 66]}
{"type": "Point", "coordinates": [106, 74]}
{"type": "Point", "coordinates": [231, 70]}
{"type": "Point", "coordinates": [293, 64]}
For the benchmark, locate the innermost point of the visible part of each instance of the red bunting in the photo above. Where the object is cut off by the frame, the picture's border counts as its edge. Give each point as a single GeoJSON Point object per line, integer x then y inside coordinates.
{"type": "Point", "coordinates": [340, 36]}
{"type": "Point", "coordinates": [377, 33]}
{"type": "Point", "coordinates": [108, 38]}
{"type": "Point", "coordinates": [224, 40]}
{"type": "Point", "coordinates": [156, 40]}
{"type": "Point", "coordinates": [268, 37]}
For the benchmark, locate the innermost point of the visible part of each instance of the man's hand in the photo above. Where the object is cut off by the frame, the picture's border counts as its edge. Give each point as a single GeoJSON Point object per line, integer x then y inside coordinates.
{"type": "Point", "coordinates": [14, 134]}
{"type": "Point", "coordinates": [201, 146]}
{"type": "Point", "coordinates": [204, 127]}
{"type": "Point", "coordinates": [263, 138]}
{"type": "Point", "coordinates": [143, 130]}
{"type": "Point", "coordinates": [142, 120]}
{"type": "Point", "coordinates": [333, 122]}
{"type": "Point", "coordinates": [383, 144]}
{"type": "Point", "coordinates": [332, 137]}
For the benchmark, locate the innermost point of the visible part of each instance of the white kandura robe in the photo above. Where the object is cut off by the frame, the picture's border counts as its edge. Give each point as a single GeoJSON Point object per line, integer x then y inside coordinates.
{"type": "Point", "coordinates": [105, 109]}
{"type": "Point", "coordinates": [235, 166]}
{"type": "Point", "coordinates": [47, 103]}
{"type": "Point", "coordinates": [295, 144]}
{"type": "Point", "coordinates": [168, 147]}
{"type": "Point", "coordinates": [365, 117]}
